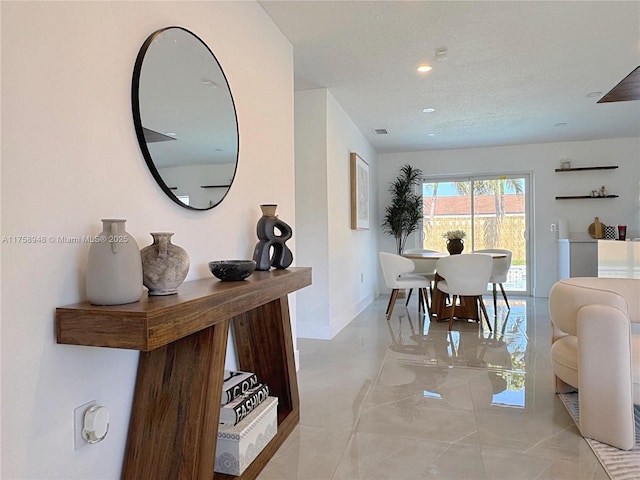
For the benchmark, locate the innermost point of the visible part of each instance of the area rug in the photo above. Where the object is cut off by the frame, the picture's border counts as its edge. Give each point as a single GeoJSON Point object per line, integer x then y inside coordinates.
{"type": "Point", "coordinates": [619, 464]}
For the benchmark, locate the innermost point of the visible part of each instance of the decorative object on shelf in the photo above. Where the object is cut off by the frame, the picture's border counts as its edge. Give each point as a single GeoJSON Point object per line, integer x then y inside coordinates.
{"type": "Point", "coordinates": [359, 172]}
{"type": "Point", "coordinates": [602, 192]}
{"type": "Point", "coordinates": [232, 270]}
{"type": "Point", "coordinates": [610, 233]}
{"type": "Point", "coordinates": [233, 412]}
{"type": "Point", "coordinates": [239, 445]}
{"type": "Point", "coordinates": [596, 229]}
{"type": "Point", "coordinates": [402, 216]}
{"type": "Point", "coordinates": [164, 265]}
{"type": "Point", "coordinates": [622, 232]}
{"type": "Point", "coordinates": [455, 241]}
{"type": "Point", "coordinates": [114, 267]}
{"type": "Point", "coordinates": [235, 383]}
{"type": "Point", "coordinates": [565, 164]}
{"type": "Point", "coordinates": [269, 240]}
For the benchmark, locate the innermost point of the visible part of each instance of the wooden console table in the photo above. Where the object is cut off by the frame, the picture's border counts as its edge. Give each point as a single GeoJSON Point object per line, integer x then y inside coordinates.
{"type": "Point", "coordinates": [182, 341]}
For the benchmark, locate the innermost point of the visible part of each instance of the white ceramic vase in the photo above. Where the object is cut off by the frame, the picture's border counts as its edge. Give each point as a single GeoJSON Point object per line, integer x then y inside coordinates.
{"type": "Point", "coordinates": [164, 265]}
{"type": "Point", "coordinates": [114, 267]}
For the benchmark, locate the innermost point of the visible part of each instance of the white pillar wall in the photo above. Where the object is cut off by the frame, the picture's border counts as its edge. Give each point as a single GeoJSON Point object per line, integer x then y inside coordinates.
{"type": "Point", "coordinates": [344, 261]}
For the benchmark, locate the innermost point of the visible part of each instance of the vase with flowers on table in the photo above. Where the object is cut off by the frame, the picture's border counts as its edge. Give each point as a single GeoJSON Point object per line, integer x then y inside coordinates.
{"type": "Point", "coordinates": [455, 241]}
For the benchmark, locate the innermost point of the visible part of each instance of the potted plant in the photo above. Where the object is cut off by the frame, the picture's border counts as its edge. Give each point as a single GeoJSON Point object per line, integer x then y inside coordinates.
{"type": "Point", "coordinates": [455, 241]}
{"type": "Point", "coordinates": [403, 214]}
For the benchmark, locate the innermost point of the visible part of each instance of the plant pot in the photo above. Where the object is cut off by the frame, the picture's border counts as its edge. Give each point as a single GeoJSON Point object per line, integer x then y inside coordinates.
{"type": "Point", "coordinates": [455, 246]}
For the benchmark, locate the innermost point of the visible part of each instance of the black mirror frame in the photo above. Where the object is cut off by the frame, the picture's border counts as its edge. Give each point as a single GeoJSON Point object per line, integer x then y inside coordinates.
{"type": "Point", "coordinates": [137, 120]}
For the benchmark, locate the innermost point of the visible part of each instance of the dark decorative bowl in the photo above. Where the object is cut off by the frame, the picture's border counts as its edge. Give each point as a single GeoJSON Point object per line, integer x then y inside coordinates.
{"type": "Point", "coordinates": [232, 270]}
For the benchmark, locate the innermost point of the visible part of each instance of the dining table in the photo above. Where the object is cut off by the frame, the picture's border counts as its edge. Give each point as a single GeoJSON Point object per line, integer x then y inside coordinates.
{"type": "Point", "coordinates": [438, 307]}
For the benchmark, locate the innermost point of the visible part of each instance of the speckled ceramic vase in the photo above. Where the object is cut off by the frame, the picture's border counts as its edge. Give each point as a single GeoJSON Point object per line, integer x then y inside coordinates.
{"type": "Point", "coordinates": [164, 265]}
{"type": "Point", "coordinates": [114, 267]}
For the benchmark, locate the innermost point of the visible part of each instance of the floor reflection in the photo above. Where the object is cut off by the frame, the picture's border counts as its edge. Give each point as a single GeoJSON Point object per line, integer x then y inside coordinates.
{"type": "Point", "coordinates": [406, 399]}
{"type": "Point", "coordinates": [501, 353]}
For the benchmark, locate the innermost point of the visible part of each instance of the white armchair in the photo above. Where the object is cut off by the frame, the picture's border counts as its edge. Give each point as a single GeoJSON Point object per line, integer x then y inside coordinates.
{"type": "Point", "coordinates": [423, 266]}
{"type": "Point", "coordinates": [397, 275]}
{"type": "Point", "coordinates": [596, 350]}
{"type": "Point", "coordinates": [499, 274]}
{"type": "Point", "coordinates": [464, 276]}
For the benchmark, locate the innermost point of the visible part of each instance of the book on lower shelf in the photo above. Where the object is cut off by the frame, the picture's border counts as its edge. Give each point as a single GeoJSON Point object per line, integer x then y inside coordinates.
{"type": "Point", "coordinates": [235, 383]}
{"type": "Point", "coordinates": [239, 445]}
{"type": "Point", "coordinates": [233, 412]}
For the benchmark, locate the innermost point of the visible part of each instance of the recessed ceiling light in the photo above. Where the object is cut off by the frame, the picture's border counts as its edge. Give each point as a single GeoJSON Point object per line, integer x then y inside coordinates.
{"type": "Point", "coordinates": [561, 124]}
{"type": "Point", "coordinates": [171, 134]}
{"type": "Point", "coordinates": [424, 67]}
{"type": "Point", "coordinates": [594, 94]}
{"type": "Point", "coordinates": [431, 134]}
{"type": "Point", "coordinates": [428, 110]}
{"type": "Point", "coordinates": [210, 83]}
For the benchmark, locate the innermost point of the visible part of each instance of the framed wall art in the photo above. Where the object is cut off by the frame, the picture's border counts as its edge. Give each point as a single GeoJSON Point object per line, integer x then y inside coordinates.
{"type": "Point", "coordinates": [359, 193]}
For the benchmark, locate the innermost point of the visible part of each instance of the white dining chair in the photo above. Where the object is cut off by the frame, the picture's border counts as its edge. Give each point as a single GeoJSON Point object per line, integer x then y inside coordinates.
{"type": "Point", "coordinates": [397, 276]}
{"type": "Point", "coordinates": [499, 273]}
{"type": "Point", "coordinates": [425, 267]}
{"type": "Point", "coordinates": [464, 276]}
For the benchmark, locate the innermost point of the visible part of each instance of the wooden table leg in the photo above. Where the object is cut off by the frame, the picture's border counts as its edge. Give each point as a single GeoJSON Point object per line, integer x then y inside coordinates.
{"type": "Point", "coordinates": [176, 408]}
{"type": "Point", "coordinates": [468, 307]}
{"type": "Point", "coordinates": [264, 345]}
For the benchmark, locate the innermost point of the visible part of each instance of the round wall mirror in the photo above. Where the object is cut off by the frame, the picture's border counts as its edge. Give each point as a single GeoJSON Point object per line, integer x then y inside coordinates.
{"type": "Point", "coordinates": [185, 118]}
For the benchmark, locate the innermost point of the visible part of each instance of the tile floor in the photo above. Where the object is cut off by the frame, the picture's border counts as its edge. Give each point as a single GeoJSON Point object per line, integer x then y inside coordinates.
{"type": "Point", "coordinates": [406, 399]}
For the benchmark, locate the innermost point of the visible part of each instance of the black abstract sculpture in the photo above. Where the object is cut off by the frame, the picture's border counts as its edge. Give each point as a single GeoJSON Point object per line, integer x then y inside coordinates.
{"type": "Point", "coordinates": [271, 250]}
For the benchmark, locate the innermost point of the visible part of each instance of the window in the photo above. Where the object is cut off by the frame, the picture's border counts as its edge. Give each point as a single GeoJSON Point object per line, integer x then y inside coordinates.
{"type": "Point", "coordinates": [492, 210]}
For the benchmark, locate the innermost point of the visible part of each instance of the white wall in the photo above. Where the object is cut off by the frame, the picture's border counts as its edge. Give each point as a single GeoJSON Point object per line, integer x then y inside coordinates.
{"type": "Point", "coordinates": [312, 214]}
{"type": "Point", "coordinates": [542, 160]}
{"type": "Point", "coordinates": [344, 261]}
{"type": "Point", "coordinates": [70, 157]}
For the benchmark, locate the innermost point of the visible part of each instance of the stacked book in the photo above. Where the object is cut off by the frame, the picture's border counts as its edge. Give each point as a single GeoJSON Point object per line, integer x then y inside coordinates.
{"type": "Point", "coordinates": [242, 392]}
{"type": "Point", "coordinates": [248, 421]}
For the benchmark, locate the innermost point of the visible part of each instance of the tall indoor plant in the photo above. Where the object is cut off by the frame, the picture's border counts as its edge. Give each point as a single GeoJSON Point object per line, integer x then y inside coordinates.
{"type": "Point", "coordinates": [403, 214]}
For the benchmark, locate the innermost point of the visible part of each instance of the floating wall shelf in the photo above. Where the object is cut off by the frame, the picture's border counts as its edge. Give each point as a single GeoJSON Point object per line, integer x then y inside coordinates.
{"type": "Point", "coordinates": [582, 169]}
{"type": "Point", "coordinates": [573, 197]}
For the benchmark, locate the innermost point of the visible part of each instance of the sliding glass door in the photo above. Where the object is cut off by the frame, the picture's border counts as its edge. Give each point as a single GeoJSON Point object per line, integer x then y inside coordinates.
{"type": "Point", "coordinates": [491, 210]}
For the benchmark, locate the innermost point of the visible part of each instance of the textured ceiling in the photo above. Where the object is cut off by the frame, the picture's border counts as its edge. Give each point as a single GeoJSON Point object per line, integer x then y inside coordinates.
{"type": "Point", "coordinates": [513, 71]}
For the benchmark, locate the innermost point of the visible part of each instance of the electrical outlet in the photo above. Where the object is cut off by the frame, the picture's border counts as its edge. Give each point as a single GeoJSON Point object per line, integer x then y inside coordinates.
{"type": "Point", "coordinates": [78, 424]}
{"type": "Point", "coordinates": [554, 227]}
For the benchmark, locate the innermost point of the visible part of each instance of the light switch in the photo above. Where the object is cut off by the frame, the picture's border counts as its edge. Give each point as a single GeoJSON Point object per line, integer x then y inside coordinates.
{"type": "Point", "coordinates": [96, 424]}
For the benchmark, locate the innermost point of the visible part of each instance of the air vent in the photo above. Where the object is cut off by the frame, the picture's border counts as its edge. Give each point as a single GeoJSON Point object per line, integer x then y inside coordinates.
{"type": "Point", "coordinates": [381, 131]}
